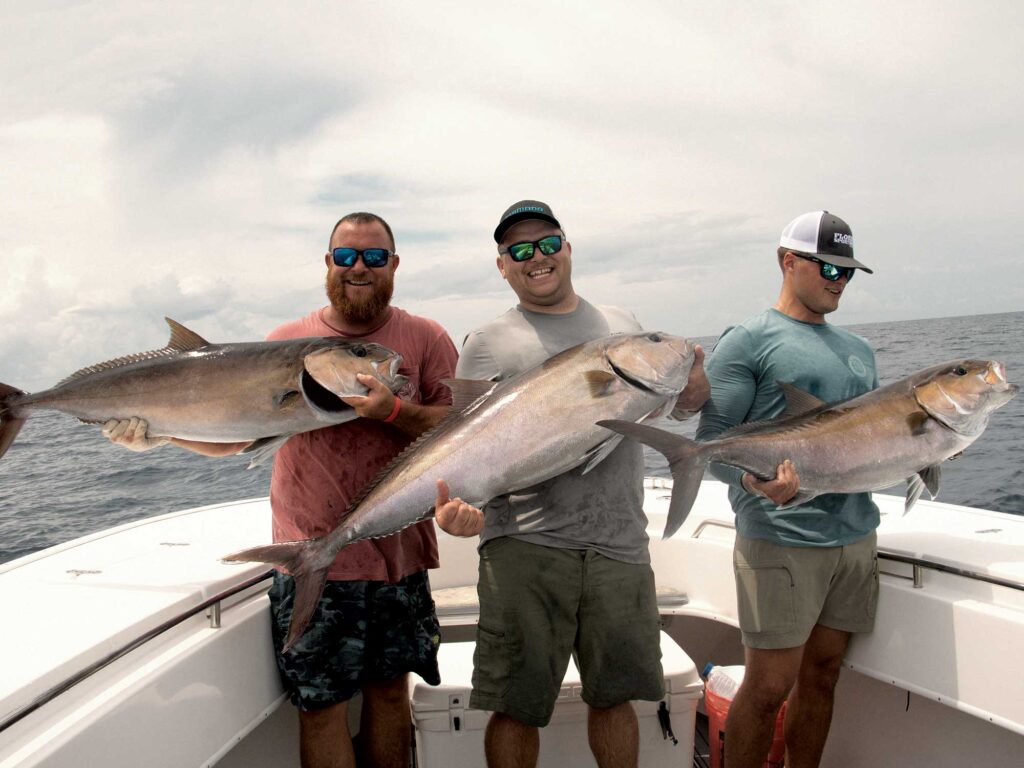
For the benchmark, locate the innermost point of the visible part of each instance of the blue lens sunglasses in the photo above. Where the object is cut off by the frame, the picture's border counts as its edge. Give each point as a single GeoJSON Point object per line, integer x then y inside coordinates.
{"type": "Point", "coordinates": [830, 272]}
{"type": "Point", "coordinates": [372, 257]}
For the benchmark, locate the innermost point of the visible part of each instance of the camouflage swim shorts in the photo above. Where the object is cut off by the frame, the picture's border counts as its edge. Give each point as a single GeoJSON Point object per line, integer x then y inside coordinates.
{"type": "Point", "coordinates": [361, 631]}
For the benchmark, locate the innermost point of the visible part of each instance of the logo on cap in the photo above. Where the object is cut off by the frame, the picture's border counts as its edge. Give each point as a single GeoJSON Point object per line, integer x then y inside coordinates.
{"type": "Point", "coordinates": [839, 237]}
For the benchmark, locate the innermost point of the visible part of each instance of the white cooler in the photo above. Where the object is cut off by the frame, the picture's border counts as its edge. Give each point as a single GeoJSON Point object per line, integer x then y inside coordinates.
{"type": "Point", "coordinates": [449, 733]}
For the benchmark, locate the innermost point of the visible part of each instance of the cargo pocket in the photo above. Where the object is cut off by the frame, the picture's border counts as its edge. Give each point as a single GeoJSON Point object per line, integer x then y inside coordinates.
{"type": "Point", "coordinates": [492, 664]}
{"type": "Point", "coordinates": [764, 596]}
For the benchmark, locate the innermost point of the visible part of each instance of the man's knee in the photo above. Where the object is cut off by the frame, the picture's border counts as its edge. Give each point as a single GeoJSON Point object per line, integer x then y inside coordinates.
{"type": "Point", "coordinates": [325, 720]}
{"type": "Point", "coordinates": [388, 693]}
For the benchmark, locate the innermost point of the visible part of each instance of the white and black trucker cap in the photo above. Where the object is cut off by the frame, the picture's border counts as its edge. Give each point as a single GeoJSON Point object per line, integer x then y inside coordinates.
{"type": "Point", "coordinates": [821, 234]}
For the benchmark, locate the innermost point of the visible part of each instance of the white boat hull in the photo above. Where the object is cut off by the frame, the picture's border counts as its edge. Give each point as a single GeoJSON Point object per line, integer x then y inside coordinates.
{"type": "Point", "coordinates": [939, 681]}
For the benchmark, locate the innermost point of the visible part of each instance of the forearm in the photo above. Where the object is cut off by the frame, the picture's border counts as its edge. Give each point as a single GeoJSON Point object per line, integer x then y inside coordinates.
{"type": "Point", "coordinates": [414, 418]}
{"type": "Point", "coordinates": [730, 475]}
{"type": "Point", "coordinates": [210, 449]}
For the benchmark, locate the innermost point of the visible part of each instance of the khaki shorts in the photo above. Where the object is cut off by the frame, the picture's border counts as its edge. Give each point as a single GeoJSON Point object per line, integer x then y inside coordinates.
{"type": "Point", "coordinates": [782, 592]}
{"type": "Point", "coordinates": [540, 604]}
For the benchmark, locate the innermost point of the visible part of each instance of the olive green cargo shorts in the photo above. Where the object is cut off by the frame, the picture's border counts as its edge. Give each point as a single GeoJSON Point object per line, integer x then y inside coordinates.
{"type": "Point", "coordinates": [782, 592]}
{"type": "Point", "coordinates": [540, 604]}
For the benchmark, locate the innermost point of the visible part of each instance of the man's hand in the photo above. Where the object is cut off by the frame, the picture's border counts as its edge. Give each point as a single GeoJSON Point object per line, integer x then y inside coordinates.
{"type": "Point", "coordinates": [455, 516]}
{"type": "Point", "coordinates": [697, 390]}
{"type": "Point", "coordinates": [780, 489]}
{"type": "Point", "coordinates": [131, 433]}
{"type": "Point", "coordinates": [378, 403]}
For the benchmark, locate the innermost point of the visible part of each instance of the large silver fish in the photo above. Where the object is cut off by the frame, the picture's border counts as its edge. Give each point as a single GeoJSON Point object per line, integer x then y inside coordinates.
{"type": "Point", "coordinates": [497, 439]}
{"type": "Point", "coordinates": [900, 431]}
{"type": "Point", "coordinates": [221, 393]}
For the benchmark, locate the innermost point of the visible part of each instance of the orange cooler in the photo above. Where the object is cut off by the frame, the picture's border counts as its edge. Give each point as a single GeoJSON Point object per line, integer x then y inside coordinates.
{"type": "Point", "coordinates": [718, 709]}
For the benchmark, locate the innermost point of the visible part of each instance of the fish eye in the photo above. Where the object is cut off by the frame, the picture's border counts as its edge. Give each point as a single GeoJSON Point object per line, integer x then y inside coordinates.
{"type": "Point", "coordinates": [960, 371]}
{"type": "Point", "coordinates": [654, 337]}
{"type": "Point", "coordinates": [359, 351]}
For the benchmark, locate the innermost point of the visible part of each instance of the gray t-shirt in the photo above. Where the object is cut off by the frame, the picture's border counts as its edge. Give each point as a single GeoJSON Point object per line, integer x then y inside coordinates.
{"type": "Point", "coordinates": [602, 510]}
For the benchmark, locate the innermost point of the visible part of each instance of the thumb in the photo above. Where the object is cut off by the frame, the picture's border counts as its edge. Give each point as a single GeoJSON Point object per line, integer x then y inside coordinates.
{"type": "Point", "coordinates": [372, 383]}
{"type": "Point", "coordinates": [698, 354]}
{"type": "Point", "coordinates": [443, 494]}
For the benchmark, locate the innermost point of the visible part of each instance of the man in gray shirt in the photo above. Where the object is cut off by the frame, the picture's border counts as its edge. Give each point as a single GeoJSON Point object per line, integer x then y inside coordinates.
{"type": "Point", "coordinates": [564, 565]}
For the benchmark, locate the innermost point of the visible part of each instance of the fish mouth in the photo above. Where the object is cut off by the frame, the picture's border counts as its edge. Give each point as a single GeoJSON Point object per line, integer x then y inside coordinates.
{"type": "Point", "coordinates": [319, 396]}
{"type": "Point", "coordinates": [996, 374]}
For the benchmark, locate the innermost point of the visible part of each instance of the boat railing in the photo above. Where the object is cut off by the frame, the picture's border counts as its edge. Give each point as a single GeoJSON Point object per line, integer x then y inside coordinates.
{"type": "Point", "coordinates": [918, 564]}
{"type": "Point", "coordinates": [212, 604]}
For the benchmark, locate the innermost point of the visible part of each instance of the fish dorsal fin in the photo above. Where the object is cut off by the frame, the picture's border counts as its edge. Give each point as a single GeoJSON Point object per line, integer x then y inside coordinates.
{"type": "Point", "coordinates": [182, 340]}
{"type": "Point", "coordinates": [798, 401]}
{"type": "Point", "coordinates": [399, 459]}
{"type": "Point", "coordinates": [600, 382]}
{"type": "Point", "coordinates": [465, 392]}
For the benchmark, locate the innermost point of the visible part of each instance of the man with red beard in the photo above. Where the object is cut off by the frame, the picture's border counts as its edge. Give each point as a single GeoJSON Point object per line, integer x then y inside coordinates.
{"type": "Point", "coordinates": [375, 622]}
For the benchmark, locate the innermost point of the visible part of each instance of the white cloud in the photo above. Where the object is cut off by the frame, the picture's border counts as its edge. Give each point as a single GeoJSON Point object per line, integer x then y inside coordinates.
{"type": "Point", "coordinates": [189, 160]}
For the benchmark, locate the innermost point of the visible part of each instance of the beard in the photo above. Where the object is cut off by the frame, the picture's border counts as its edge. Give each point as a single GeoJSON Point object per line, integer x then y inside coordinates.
{"type": "Point", "coordinates": [363, 310]}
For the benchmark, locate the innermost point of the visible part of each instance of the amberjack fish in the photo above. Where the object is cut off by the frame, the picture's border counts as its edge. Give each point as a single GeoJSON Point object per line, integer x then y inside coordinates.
{"type": "Point", "coordinates": [901, 431]}
{"type": "Point", "coordinates": [499, 438]}
{"type": "Point", "coordinates": [222, 393]}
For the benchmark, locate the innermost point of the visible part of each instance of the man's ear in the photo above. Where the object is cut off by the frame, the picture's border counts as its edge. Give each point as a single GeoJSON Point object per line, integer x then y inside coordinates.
{"type": "Point", "coordinates": [501, 266]}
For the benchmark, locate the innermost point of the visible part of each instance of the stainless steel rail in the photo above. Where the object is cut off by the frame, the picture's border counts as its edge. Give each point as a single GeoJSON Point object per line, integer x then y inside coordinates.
{"type": "Point", "coordinates": [919, 564]}
{"type": "Point", "coordinates": [56, 690]}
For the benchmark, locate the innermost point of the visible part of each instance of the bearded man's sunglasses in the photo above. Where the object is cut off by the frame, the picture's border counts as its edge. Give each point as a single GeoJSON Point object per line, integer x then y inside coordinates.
{"type": "Point", "coordinates": [372, 257]}
{"type": "Point", "coordinates": [830, 272]}
{"type": "Point", "coordinates": [524, 251]}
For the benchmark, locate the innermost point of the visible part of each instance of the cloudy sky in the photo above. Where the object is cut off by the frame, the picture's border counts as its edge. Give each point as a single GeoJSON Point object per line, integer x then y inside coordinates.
{"type": "Point", "coordinates": [189, 159]}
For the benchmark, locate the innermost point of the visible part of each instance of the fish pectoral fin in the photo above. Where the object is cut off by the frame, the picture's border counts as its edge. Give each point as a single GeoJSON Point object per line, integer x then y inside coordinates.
{"type": "Point", "coordinates": [931, 476]}
{"type": "Point", "coordinates": [798, 401]}
{"type": "Point", "coordinates": [600, 383]}
{"type": "Point", "coordinates": [599, 453]}
{"type": "Point", "coordinates": [262, 449]}
{"type": "Point", "coordinates": [802, 497]}
{"type": "Point", "coordinates": [918, 423]}
{"type": "Point", "coordinates": [182, 339]}
{"type": "Point", "coordinates": [465, 392]}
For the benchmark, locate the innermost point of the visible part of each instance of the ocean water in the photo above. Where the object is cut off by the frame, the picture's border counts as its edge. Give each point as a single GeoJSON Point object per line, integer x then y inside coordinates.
{"type": "Point", "coordinates": [62, 479]}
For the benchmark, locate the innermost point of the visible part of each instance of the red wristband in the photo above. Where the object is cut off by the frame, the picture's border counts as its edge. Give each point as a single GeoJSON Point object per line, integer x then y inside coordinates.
{"type": "Point", "coordinates": [394, 411]}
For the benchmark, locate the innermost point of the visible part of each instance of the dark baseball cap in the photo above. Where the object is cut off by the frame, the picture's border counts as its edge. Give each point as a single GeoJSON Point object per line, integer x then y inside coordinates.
{"type": "Point", "coordinates": [821, 234]}
{"type": "Point", "coordinates": [524, 210]}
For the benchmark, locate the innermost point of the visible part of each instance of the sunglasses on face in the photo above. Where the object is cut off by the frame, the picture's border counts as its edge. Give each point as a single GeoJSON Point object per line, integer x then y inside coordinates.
{"type": "Point", "coordinates": [372, 257]}
{"type": "Point", "coordinates": [524, 251]}
{"type": "Point", "coordinates": [830, 272]}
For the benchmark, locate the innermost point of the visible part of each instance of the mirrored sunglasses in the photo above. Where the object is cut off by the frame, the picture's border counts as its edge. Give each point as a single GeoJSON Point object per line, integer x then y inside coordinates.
{"type": "Point", "coordinates": [524, 251]}
{"type": "Point", "coordinates": [372, 257]}
{"type": "Point", "coordinates": [830, 272]}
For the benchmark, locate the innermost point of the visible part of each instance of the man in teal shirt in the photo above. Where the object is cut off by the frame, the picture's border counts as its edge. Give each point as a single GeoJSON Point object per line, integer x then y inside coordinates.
{"type": "Point", "coordinates": [806, 577]}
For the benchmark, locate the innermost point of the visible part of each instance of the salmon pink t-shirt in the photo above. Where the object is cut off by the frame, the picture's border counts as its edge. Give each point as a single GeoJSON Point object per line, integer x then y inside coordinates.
{"type": "Point", "coordinates": [317, 474]}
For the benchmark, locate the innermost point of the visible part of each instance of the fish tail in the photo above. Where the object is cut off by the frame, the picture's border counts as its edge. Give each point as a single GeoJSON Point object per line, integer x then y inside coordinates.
{"type": "Point", "coordinates": [686, 459]}
{"type": "Point", "coordinates": [305, 561]}
{"type": "Point", "coordinates": [10, 424]}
